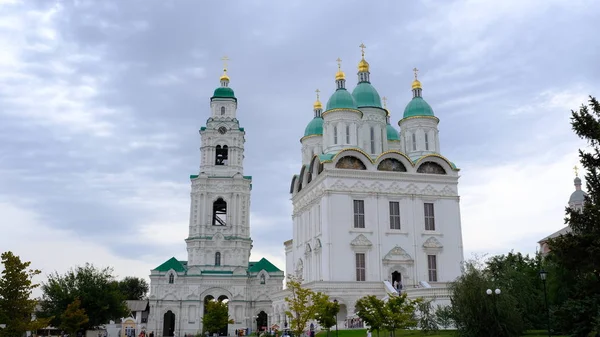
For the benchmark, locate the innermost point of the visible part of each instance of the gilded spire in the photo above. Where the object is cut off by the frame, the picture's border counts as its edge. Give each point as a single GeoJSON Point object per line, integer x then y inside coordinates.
{"type": "Point", "coordinates": [416, 84]}
{"type": "Point", "coordinates": [318, 105]}
{"type": "Point", "coordinates": [340, 74]}
{"type": "Point", "coordinates": [363, 65]}
{"type": "Point", "coordinates": [576, 169]}
{"type": "Point", "coordinates": [224, 77]}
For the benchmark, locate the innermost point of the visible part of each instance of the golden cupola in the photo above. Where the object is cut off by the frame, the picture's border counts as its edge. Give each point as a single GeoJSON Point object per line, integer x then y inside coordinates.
{"type": "Point", "coordinates": [363, 65]}
{"type": "Point", "coordinates": [416, 84]}
{"type": "Point", "coordinates": [318, 105]}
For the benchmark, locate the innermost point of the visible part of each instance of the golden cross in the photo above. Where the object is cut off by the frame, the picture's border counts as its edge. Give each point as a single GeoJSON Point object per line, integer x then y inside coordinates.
{"type": "Point", "coordinates": [416, 72]}
{"type": "Point", "coordinates": [384, 102]}
{"type": "Point", "coordinates": [339, 62]}
{"type": "Point", "coordinates": [576, 169]}
{"type": "Point", "coordinates": [362, 49]}
{"type": "Point", "coordinates": [317, 91]}
{"type": "Point", "coordinates": [225, 59]}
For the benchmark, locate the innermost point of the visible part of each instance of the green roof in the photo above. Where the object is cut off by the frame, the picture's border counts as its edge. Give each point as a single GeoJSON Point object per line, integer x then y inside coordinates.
{"type": "Point", "coordinates": [341, 99]}
{"type": "Point", "coordinates": [417, 107]}
{"type": "Point", "coordinates": [365, 95]}
{"type": "Point", "coordinates": [255, 267]}
{"type": "Point", "coordinates": [315, 127]}
{"type": "Point", "coordinates": [326, 156]}
{"type": "Point", "coordinates": [172, 263]}
{"type": "Point", "coordinates": [223, 92]}
{"type": "Point", "coordinates": [392, 134]}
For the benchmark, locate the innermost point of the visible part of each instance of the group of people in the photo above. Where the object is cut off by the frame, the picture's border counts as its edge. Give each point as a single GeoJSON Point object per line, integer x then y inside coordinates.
{"type": "Point", "coordinates": [354, 323]}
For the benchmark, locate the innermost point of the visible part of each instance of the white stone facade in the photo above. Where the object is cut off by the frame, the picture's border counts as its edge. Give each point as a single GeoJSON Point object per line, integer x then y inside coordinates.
{"type": "Point", "coordinates": [218, 243]}
{"type": "Point", "coordinates": [369, 212]}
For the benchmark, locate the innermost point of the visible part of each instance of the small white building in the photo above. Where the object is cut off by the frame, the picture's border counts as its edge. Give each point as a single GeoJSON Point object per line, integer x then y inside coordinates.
{"type": "Point", "coordinates": [373, 207]}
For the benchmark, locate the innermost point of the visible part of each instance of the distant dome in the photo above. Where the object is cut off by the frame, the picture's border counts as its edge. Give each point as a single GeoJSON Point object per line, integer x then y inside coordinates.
{"type": "Point", "coordinates": [577, 197]}
{"type": "Point", "coordinates": [223, 92]}
{"type": "Point", "coordinates": [392, 134]}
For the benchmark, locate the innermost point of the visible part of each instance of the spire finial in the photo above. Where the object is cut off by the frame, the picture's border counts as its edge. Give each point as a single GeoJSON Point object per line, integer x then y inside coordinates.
{"type": "Point", "coordinates": [317, 91]}
{"type": "Point", "coordinates": [340, 74]}
{"type": "Point", "coordinates": [576, 169]}
{"type": "Point", "coordinates": [384, 99]}
{"type": "Point", "coordinates": [317, 105]}
{"type": "Point", "coordinates": [362, 49]}
{"type": "Point", "coordinates": [224, 77]}
{"type": "Point", "coordinates": [416, 84]}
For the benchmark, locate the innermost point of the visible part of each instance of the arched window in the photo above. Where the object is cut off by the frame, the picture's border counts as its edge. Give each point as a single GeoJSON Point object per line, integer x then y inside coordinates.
{"type": "Point", "coordinates": [347, 134]}
{"type": "Point", "coordinates": [217, 258]}
{"type": "Point", "coordinates": [262, 279]}
{"type": "Point", "coordinates": [414, 142]}
{"type": "Point", "coordinates": [222, 110]}
{"type": "Point", "coordinates": [171, 278]}
{"type": "Point", "coordinates": [219, 212]}
{"type": "Point", "coordinates": [426, 141]}
{"type": "Point", "coordinates": [372, 140]}
{"type": "Point", "coordinates": [221, 154]}
{"type": "Point", "coordinates": [335, 135]}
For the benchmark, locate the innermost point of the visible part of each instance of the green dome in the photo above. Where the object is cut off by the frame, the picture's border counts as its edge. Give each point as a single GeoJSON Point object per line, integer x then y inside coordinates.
{"type": "Point", "coordinates": [223, 92]}
{"type": "Point", "coordinates": [341, 99]}
{"type": "Point", "coordinates": [366, 95]}
{"type": "Point", "coordinates": [392, 134]}
{"type": "Point", "coordinates": [417, 107]}
{"type": "Point", "coordinates": [315, 127]}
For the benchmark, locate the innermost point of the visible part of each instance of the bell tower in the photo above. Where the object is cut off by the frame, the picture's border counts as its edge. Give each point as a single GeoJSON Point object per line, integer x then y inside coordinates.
{"type": "Point", "coordinates": [219, 230]}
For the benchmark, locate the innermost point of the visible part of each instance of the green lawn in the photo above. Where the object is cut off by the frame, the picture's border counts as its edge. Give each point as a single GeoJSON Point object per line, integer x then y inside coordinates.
{"type": "Point", "coordinates": [441, 333]}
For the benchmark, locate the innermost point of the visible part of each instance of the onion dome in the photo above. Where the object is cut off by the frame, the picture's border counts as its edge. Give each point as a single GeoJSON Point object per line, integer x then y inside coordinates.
{"type": "Point", "coordinates": [341, 98]}
{"type": "Point", "coordinates": [392, 134]}
{"type": "Point", "coordinates": [224, 91]}
{"type": "Point", "coordinates": [417, 107]}
{"type": "Point", "coordinates": [315, 126]}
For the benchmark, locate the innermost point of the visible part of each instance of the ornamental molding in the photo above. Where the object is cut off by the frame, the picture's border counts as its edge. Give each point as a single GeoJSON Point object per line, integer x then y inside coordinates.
{"type": "Point", "coordinates": [397, 254]}
{"type": "Point", "coordinates": [432, 243]}
{"type": "Point", "coordinates": [361, 241]}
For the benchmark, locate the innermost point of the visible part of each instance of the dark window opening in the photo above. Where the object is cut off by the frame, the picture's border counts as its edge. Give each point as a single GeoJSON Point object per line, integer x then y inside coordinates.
{"type": "Point", "coordinates": [217, 259]}
{"type": "Point", "coordinates": [222, 110]}
{"type": "Point", "coordinates": [220, 213]}
{"type": "Point", "coordinates": [171, 278]}
{"type": "Point", "coordinates": [221, 155]}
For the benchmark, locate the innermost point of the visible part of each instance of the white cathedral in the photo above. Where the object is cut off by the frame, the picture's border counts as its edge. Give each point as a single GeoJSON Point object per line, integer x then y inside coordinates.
{"type": "Point", "coordinates": [373, 208]}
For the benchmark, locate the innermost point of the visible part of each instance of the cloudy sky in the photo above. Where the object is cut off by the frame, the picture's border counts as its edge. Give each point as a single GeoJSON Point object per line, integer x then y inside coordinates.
{"type": "Point", "coordinates": [101, 102]}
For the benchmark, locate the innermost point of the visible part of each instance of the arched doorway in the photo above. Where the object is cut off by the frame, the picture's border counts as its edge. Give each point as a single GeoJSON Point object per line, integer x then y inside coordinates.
{"type": "Point", "coordinates": [223, 331]}
{"type": "Point", "coordinates": [396, 279]}
{"type": "Point", "coordinates": [169, 324]}
{"type": "Point", "coordinates": [261, 321]}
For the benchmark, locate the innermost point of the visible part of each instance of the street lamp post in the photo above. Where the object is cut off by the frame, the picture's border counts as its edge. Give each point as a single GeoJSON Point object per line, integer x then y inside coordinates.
{"type": "Point", "coordinates": [495, 293]}
{"type": "Point", "coordinates": [543, 275]}
{"type": "Point", "coordinates": [336, 319]}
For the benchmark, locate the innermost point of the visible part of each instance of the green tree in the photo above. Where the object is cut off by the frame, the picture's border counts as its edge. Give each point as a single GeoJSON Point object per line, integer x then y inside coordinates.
{"type": "Point", "coordinates": [74, 318]}
{"type": "Point", "coordinates": [443, 315]}
{"type": "Point", "coordinates": [96, 288]}
{"type": "Point", "coordinates": [400, 313]}
{"type": "Point", "coordinates": [325, 310]}
{"type": "Point", "coordinates": [427, 318]}
{"type": "Point", "coordinates": [477, 314]}
{"type": "Point", "coordinates": [300, 304]}
{"type": "Point", "coordinates": [372, 311]}
{"type": "Point", "coordinates": [216, 317]}
{"type": "Point", "coordinates": [16, 305]}
{"type": "Point", "coordinates": [578, 252]}
{"type": "Point", "coordinates": [133, 288]}
{"type": "Point", "coordinates": [518, 275]}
